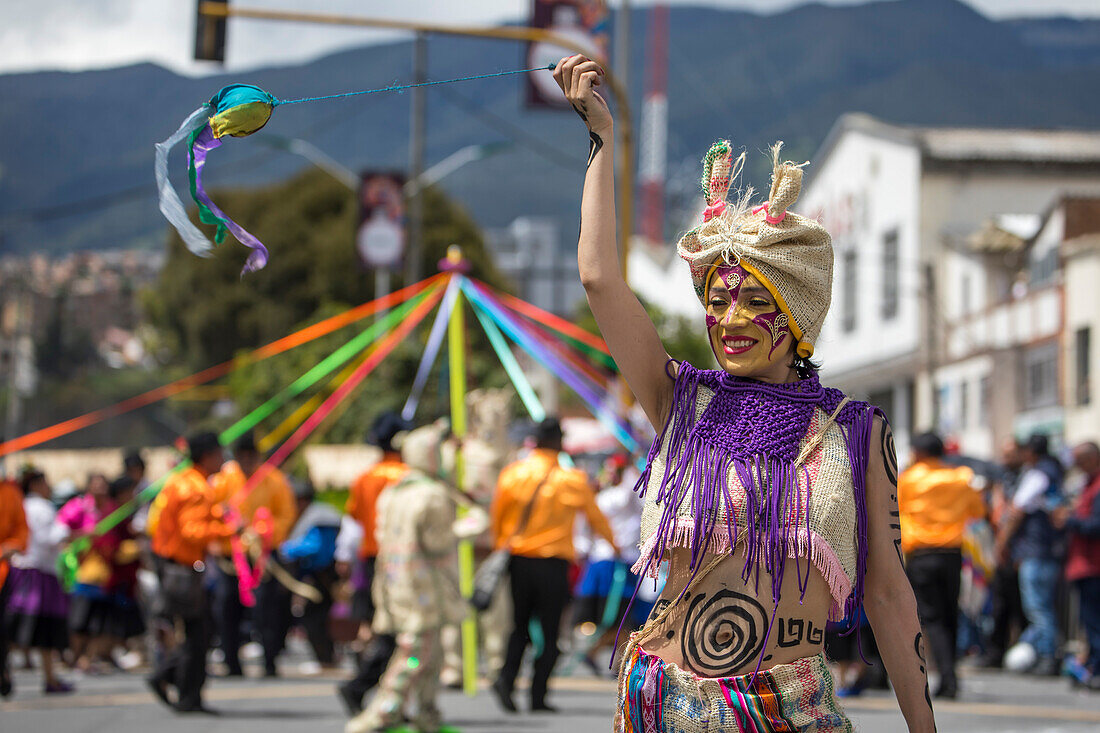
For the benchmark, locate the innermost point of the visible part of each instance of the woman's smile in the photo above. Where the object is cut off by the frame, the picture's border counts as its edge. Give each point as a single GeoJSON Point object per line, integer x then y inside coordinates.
{"type": "Point", "coordinates": [734, 345]}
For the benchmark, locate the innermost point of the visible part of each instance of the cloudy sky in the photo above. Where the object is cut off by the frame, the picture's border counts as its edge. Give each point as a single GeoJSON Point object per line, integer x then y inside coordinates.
{"type": "Point", "coordinates": [82, 34]}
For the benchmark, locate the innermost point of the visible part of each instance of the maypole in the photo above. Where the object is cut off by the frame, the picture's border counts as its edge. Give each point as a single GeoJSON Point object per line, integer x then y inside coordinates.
{"type": "Point", "coordinates": [456, 360]}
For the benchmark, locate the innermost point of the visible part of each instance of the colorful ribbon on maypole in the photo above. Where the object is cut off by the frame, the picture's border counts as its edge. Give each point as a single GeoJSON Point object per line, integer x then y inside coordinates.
{"type": "Point", "coordinates": [431, 349]}
{"type": "Point", "coordinates": [380, 352]}
{"type": "Point", "coordinates": [579, 383]}
{"type": "Point", "coordinates": [302, 336]}
{"type": "Point", "coordinates": [512, 368]}
{"type": "Point", "coordinates": [68, 559]}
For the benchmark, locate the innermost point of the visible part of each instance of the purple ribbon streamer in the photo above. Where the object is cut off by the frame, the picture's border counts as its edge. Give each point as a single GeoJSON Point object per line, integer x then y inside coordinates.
{"type": "Point", "coordinates": [204, 143]}
{"type": "Point", "coordinates": [431, 350]}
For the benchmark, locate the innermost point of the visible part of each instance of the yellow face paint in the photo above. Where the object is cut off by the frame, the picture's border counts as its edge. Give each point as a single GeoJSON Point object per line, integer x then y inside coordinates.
{"type": "Point", "coordinates": [748, 333]}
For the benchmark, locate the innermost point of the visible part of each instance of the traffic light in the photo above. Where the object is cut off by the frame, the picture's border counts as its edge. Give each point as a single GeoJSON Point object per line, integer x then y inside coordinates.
{"type": "Point", "coordinates": [209, 33]}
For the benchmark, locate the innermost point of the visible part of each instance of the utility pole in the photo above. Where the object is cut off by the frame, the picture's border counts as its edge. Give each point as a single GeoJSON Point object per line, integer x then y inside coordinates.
{"type": "Point", "coordinates": [654, 136]}
{"type": "Point", "coordinates": [417, 131]}
{"type": "Point", "coordinates": [621, 65]}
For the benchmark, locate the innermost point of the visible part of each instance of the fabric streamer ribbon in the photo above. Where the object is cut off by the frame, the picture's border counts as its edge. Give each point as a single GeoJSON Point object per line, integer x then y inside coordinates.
{"type": "Point", "coordinates": [170, 204]}
{"type": "Point", "coordinates": [387, 345]}
{"type": "Point", "coordinates": [572, 379]}
{"type": "Point", "coordinates": [278, 346]}
{"type": "Point", "coordinates": [238, 110]}
{"type": "Point", "coordinates": [511, 367]}
{"type": "Point", "coordinates": [431, 349]}
{"type": "Point", "coordinates": [69, 560]}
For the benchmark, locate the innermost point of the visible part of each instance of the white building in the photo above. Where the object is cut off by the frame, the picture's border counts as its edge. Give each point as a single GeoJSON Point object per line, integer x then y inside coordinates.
{"type": "Point", "coordinates": [921, 317]}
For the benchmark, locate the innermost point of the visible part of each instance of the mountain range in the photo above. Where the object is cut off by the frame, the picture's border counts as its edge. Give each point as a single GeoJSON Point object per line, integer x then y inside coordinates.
{"type": "Point", "coordinates": [76, 148]}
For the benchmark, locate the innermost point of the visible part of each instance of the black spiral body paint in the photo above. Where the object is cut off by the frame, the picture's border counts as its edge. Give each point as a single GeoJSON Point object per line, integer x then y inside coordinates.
{"type": "Point", "coordinates": [722, 633]}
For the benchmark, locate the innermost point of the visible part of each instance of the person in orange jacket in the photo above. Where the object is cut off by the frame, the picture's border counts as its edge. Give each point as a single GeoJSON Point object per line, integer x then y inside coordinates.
{"type": "Point", "coordinates": [935, 502]}
{"type": "Point", "coordinates": [186, 520]}
{"type": "Point", "coordinates": [542, 550]}
{"type": "Point", "coordinates": [13, 538]}
{"type": "Point", "coordinates": [268, 509]}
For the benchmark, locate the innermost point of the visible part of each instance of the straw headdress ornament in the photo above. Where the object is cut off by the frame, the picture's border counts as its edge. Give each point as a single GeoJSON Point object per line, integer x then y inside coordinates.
{"type": "Point", "coordinates": [791, 255]}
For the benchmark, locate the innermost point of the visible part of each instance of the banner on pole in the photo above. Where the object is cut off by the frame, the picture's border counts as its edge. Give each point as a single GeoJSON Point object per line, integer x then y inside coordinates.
{"type": "Point", "coordinates": [585, 22]}
{"type": "Point", "coordinates": [380, 239]}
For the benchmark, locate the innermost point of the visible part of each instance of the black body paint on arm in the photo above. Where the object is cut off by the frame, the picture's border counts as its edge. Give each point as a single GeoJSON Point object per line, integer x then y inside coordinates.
{"type": "Point", "coordinates": [594, 146]}
{"type": "Point", "coordinates": [918, 647]}
{"type": "Point", "coordinates": [890, 463]}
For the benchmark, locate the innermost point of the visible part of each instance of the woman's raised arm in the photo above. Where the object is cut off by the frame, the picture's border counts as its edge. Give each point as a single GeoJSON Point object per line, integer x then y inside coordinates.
{"type": "Point", "coordinates": [624, 324]}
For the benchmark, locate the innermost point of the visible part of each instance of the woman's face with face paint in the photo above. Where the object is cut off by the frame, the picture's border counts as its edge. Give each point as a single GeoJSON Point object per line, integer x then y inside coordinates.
{"type": "Point", "coordinates": [750, 335]}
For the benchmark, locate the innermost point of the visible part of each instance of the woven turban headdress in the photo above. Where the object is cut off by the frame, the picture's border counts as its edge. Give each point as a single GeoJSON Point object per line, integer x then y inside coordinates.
{"type": "Point", "coordinates": [791, 255]}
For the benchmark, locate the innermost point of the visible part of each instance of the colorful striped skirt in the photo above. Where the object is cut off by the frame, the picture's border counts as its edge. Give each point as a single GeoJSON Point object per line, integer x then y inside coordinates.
{"type": "Point", "coordinates": [659, 697]}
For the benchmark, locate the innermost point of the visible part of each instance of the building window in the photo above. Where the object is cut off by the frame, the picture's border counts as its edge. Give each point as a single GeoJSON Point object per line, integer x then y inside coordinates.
{"type": "Point", "coordinates": [985, 402]}
{"type": "Point", "coordinates": [890, 275]}
{"type": "Point", "coordinates": [848, 319]}
{"type": "Point", "coordinates": [1043, 268]}
{"type": "Point", "coordinates": [1081, 345]}
{"type": "Point", "coordinates": [964, 405]}
{"type": "Point", "coordinates": [1041, 376]}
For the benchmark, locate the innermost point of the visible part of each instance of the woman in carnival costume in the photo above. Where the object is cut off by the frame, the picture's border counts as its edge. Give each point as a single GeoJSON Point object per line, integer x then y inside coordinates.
{"type": "Point", "coordinates": [772, 497]}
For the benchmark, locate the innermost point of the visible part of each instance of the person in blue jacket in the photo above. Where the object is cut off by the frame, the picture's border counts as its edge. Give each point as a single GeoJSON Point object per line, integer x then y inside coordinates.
{"type": "Point", "coordinates": [310, 550]}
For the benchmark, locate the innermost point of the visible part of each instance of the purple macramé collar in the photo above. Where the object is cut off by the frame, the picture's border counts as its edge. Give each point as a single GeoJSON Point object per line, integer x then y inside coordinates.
{"type": "Point", "coordinates": [756, 430]}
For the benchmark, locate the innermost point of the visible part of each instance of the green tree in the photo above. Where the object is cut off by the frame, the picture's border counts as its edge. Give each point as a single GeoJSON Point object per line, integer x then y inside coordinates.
{"type": "Point", "coordinates": [684, 338]}
{"type": "Point", "coordinates": [206, 312]}
{"type": "Point", "coordinates": [209, 312]}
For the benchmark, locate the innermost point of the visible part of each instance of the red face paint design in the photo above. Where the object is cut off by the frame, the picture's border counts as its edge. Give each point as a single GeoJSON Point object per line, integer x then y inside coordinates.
{"type": "Point", "coordinates": [733, 277]}
{"type": "Point", "coordinates": [711, 321]}
{"type": "Point", "coordinates": [776, 323]}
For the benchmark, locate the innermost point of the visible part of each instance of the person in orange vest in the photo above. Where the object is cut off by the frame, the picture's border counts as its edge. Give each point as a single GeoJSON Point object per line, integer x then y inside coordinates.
{"type": "Point", "coordinates": [269, 511]}
{"type": "Point", "coordinates": [935, 501]}
{"type": "Point", "coordinates": [13, 538]}
{"type": "Point", "coordinates": [185, 521]}
{"type": "Point", "coordinates": [542, 550]}
{"type": "Point", "coordinates": [362, 506]}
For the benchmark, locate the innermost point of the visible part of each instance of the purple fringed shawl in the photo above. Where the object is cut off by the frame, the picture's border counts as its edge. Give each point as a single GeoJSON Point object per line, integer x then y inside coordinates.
{"type": "Point", "coordinates": [755, 429]}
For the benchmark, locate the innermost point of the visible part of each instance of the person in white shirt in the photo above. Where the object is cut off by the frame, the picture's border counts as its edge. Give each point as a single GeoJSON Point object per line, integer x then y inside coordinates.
{"type": "Point", "coordinates": [37, 611]}
{"type": "Point", "coordinates": [606, 571]}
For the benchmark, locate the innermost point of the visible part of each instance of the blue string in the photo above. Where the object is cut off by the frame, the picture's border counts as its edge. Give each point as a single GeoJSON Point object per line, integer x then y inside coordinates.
{"type": "Point", "coordinates": [401, 87]}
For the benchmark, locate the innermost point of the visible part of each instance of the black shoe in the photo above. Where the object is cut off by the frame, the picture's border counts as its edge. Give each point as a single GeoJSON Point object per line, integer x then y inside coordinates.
{"type": "Point", "coordinates": [946, 692]}
{"type": "Point", "coordinates": [541, 707]}
{"type": "Point", "coordinates": [1046, 667]}
{"type": "Point", "coordinates": [271, 672]}
{"type": "Point", "coordinates": [199, 709]}
{"type": "Point", "coordinates": [160, 689]}
{"type": "Point", "coordinates": [504, 697]}
{"type": "Point", "coordinates": [353, 703]}
{"type": "Point", "coordinates": [5, 684]}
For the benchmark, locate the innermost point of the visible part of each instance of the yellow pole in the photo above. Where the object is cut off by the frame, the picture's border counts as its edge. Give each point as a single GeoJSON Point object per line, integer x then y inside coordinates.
{"type": "Point", "coordinates": [624, 127]}
{"type": "Point", "coordinates": [456, 359]}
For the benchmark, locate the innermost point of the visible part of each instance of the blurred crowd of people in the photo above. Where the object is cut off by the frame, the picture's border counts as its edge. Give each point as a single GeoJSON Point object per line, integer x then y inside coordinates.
{"type": "Point", "coordinates": [1004, 560]}
{"type": "Point", "coordinates": [232, 554]}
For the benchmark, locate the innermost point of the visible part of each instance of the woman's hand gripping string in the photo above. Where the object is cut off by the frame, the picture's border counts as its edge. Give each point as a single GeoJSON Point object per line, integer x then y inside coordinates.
{"type": "Point", "coordinates": [578, 77]}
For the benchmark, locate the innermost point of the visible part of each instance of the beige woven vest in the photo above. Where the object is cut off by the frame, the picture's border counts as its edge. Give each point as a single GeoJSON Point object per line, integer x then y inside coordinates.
{"type": "Point", "coordinates": [824, 530]}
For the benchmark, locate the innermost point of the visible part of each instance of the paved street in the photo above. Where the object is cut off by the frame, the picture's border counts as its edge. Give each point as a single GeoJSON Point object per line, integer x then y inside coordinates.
{"type": "Point", "coordinates": [119, 703]}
